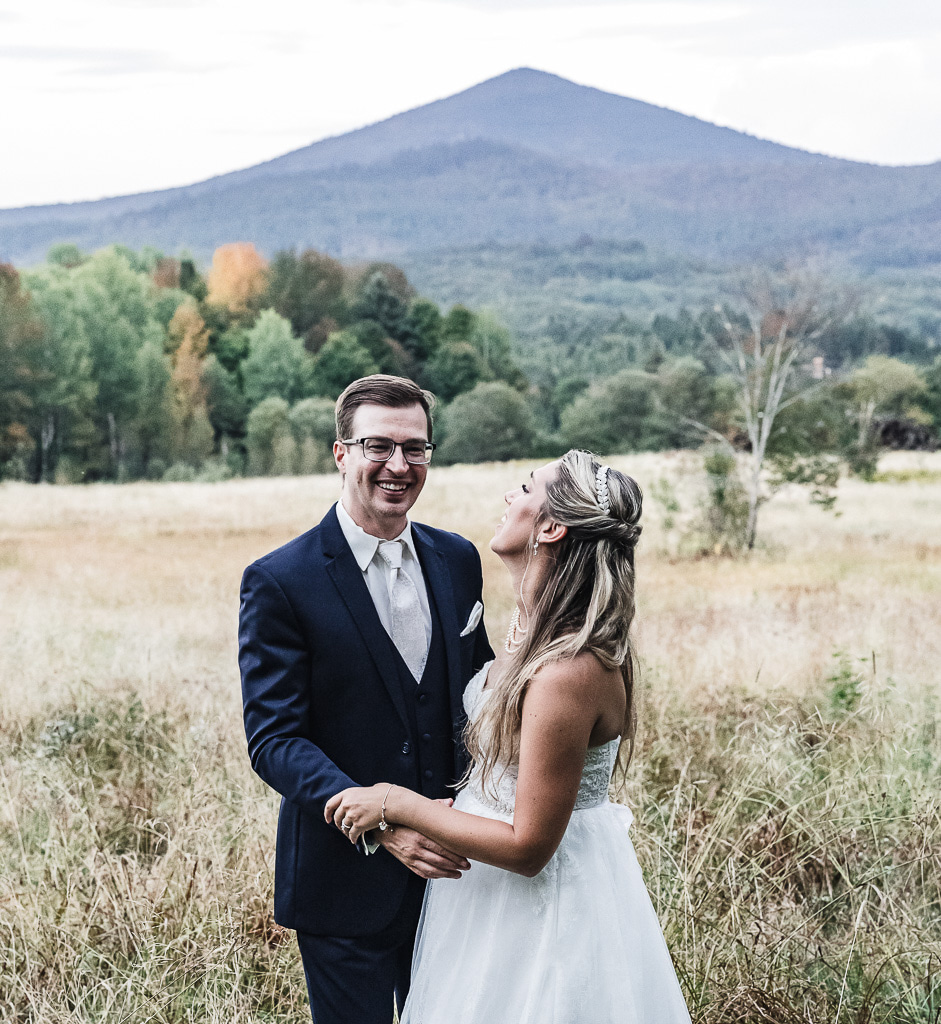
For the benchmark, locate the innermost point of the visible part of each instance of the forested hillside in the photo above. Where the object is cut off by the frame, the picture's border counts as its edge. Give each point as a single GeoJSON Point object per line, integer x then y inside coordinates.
{"type": "Point", "coordinates": [561, 300]}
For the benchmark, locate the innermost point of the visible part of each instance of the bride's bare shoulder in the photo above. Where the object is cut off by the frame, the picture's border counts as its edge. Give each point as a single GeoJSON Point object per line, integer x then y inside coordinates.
{"type": "Point", "coordinates": [582, 676]}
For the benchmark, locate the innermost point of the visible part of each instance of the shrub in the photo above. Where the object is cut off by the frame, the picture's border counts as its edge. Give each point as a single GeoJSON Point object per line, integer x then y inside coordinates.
{"type": "Point", "coordinates": [614, 415]}
{"type": "Point", "coordinates": [179, 473]}
{"type": "Point", "coordinates": [725, 506]}
{"type": "Point", "coordinates": [492, 422]}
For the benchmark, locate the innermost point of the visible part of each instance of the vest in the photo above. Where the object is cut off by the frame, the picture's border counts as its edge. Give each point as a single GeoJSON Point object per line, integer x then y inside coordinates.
{"type": "Point", "coordinates": [428, 704]}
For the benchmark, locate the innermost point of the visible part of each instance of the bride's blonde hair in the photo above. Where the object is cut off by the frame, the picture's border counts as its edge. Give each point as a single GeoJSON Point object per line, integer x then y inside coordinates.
{"type": "Point", "coordinates": [584, 603]}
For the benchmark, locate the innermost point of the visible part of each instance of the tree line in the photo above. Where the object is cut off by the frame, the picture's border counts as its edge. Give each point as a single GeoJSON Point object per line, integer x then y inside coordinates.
{"type": "Point", "coordinates": [125, 365]}
{"type": "Point", "coordinates": [122, 365]}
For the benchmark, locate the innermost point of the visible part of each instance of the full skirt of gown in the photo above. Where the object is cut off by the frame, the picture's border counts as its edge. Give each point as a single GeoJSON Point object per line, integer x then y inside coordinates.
{"type": "Point", "coordinates": [579, 943]}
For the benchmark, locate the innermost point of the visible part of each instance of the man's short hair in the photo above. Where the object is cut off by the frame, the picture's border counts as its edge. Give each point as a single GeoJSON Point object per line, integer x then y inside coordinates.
{"type": "Point", "coordinates": [380, 389]}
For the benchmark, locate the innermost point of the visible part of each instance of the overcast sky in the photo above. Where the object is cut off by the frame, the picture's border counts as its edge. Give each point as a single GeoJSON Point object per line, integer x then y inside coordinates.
{"type": "Point", "coordinates": [105, 97]}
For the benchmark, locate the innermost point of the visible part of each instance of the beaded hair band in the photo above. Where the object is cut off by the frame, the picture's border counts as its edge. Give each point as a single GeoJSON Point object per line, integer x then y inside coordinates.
{"type": "Point", "coordinates": [601, 489]}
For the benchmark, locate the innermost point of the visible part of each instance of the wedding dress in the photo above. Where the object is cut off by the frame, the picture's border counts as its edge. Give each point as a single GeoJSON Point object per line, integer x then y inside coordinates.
{"type": "Point", "coordinates": [577, 944]}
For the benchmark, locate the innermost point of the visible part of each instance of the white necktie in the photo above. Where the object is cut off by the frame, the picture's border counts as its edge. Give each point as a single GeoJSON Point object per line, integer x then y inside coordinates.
{"type": "Point", "coordinates": [408, 623]}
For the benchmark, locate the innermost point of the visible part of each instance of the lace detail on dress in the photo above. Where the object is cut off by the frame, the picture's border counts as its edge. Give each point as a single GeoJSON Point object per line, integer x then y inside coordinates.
{"type": "Point", "coordinates": [596, 775]}
{"type": "Point", "coordinates": [474, 691]}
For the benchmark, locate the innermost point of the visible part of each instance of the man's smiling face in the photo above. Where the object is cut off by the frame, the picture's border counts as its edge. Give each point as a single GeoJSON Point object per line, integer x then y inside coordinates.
{"type": "Point", "coordinates": [378, 495]}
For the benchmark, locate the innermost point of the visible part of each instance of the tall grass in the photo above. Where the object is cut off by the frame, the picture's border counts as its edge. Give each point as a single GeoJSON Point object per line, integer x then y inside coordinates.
{"type": "Point", "coordinates": [786, 784]}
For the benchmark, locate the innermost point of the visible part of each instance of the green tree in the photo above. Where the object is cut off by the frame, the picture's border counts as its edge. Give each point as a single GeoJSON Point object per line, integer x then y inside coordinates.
{"type": "Point", "coordinates": [377, 301]}
{"type": "Point", "coordinates": [492, 342]}
{"type": "Point", "coordinates": [567, 389]}
{"type": "Point", "coordinates": [166, 302]}
{"type": "Point", "coordinates": [272, 450]}
{"type": "Point", "coordinates": [455, 368]}
{"type": "Point", "coordinates": [224, 399]}
{"type": "Point", "coordinates": [65, 254]}
{"type": "Point", "coordinates": [230, 346]}
{"type": "Point", "coordinates": [491, 422]}
{"type": "Point", "coordinates": [314, 427]}
{"type": "Point", "coordinates": [115, 305]}
{"type": "Point", "coordinates": [616, 415]}
{"type": "Point", "coordinates": [422, 334]}
{"type": "Point", "coordinates": [341, 361]}
{"type": "Point", "coordinates": [191, 281]}
{"type": "Point", "coordinates": [307, 290]}
{"type": "Point", "coordinates": [883, 385]}
{"type": "Point", "coordinates": [277, 363]}
{"type": "Point", "coordinates": [394, 276]}
{"type": "Point", "coordinates": [154, 413]}
{"type": "Point", "coordinates": [386, 353]}
{"type": "Point", "coordinates": [686, 391]}
{"type": "Point", "coordinates": [680, 335]}
{"type": "Point", "coordinates": [458, 325]}
{"type": "Point", "coordinates": [63, 414]}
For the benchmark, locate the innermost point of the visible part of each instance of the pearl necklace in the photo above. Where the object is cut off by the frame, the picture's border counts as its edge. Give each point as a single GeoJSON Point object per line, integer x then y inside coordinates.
{"type": "Point", "coordinates": [511, 644]}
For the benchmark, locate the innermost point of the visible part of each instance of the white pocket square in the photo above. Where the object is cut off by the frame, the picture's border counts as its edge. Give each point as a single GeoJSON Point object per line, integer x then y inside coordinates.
{"type": "Point", "coordinates": [474, 619]}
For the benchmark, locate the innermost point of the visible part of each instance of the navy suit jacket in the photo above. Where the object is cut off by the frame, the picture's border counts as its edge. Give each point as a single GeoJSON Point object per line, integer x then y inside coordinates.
{"type": "Point", "coordinates": [324, 710]}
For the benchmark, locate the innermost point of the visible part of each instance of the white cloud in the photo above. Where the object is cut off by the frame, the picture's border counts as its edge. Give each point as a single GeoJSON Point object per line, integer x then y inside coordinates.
{"type": "Point", "coordinates": [877, 101]}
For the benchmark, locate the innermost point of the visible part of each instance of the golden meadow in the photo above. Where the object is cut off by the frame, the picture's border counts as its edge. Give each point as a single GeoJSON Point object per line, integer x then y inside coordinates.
{"type": "Point", "coordinates": [786, 781]}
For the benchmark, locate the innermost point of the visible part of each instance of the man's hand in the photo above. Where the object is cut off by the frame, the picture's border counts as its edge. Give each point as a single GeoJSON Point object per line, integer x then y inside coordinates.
{"type": "Point", "coordinates": [420, 854]}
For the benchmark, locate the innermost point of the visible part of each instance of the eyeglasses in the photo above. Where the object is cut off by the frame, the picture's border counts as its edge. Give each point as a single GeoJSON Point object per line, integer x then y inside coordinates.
{"type": "Point", "coordinates": [381, 449]}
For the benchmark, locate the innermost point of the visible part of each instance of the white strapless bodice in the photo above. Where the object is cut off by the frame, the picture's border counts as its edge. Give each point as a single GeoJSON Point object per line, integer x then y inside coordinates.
{"type": "Point", "coordinates": [501, 795]}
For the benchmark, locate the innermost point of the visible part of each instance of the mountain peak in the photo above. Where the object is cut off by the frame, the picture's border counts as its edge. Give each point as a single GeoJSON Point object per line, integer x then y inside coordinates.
{"type": "Point", "coordinates": [546, 113]}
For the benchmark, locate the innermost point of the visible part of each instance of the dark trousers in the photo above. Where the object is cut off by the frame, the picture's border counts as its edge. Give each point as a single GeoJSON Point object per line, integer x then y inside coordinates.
{"type": "Point", "coordinates": [353, 981]}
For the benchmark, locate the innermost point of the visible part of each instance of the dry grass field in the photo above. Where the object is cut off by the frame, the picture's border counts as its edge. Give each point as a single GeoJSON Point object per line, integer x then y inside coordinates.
{"type": "Point", "coordinates": [787, 782]}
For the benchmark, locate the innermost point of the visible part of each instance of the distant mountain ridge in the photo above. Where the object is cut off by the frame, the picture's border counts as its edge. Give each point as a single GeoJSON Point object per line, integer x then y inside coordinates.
{"type": "Point", "coordinates": [522, 157]}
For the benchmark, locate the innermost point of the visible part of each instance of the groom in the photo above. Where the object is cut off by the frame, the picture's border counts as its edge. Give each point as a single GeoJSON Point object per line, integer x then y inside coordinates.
{"type": "Point", "coordinates": [356, 641]}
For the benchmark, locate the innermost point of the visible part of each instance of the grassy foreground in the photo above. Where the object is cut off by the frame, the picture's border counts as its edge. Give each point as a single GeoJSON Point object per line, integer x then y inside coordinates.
{"type": "Point", "coordinates": [787, 783]}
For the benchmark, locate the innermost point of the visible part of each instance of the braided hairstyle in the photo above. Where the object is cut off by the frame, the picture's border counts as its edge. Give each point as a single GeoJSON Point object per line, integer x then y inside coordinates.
{"type": "Point", "coordinates": [585, 602]}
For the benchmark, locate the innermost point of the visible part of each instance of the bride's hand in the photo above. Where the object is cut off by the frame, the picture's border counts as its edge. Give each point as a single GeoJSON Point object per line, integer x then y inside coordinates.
{"type": "Point", "coordinates": [357, 810]}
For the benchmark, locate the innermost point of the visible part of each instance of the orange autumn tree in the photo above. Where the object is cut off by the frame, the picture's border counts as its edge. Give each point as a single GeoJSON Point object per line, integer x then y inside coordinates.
{"type": "Point", "coordinates": [191, 433]}
{"type": "Point", "coordinates": [237, 278]}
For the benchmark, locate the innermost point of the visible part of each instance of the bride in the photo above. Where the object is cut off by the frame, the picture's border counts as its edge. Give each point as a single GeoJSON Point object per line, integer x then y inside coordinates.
{"type": "Point", "coordinates": [553, 925]}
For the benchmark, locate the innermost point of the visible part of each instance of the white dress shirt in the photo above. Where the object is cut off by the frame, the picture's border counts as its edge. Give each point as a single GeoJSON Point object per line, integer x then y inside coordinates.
{"type": "Point", "coordinates": [378, 576]}
{"type": "Point", "coordinates": [376, 570]}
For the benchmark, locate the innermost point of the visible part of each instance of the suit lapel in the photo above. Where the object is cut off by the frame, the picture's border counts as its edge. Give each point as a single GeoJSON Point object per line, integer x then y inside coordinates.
{"type": "Point", "coordinates": [348, 579]}
{"type": "Point", "coordinates": [438, 581]}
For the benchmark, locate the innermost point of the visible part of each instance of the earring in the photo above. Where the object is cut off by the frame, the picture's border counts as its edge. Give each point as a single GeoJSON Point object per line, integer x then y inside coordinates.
{"type": "Point", "coordinates": [535, 546]}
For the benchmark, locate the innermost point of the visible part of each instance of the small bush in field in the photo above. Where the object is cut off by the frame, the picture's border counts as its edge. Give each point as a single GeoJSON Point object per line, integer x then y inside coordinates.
{"type": "Point", "coordinates": [845, 687]}
{"type": "Point", "coordinates": [112, 737]}
{"type": "Point", "coordinates": [725, 506]}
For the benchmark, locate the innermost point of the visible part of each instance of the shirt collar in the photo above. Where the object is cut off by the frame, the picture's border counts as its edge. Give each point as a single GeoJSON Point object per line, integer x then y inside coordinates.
{"type": "Point", "coordinates": [363, 545]}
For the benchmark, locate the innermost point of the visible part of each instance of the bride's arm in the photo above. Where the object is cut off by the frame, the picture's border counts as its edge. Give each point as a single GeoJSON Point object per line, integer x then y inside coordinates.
{"type": "Point", "coordinates": [561, 707]}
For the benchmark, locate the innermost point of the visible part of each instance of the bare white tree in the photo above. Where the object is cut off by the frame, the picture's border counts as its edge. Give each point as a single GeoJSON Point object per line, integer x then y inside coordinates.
{"type": "Point", "coordinates": [765, 351]}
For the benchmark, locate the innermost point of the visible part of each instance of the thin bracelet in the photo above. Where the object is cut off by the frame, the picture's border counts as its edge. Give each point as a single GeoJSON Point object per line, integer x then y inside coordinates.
{"type": "Point", "coordinates": [384, 826]}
